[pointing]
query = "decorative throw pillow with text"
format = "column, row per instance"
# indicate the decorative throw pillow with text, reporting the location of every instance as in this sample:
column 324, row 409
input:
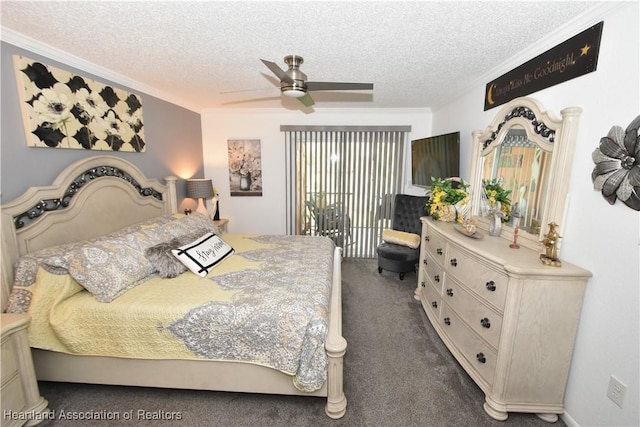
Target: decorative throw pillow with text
column 202, row 255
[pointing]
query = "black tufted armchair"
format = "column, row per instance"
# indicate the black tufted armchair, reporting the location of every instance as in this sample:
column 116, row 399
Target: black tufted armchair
column 407, row 211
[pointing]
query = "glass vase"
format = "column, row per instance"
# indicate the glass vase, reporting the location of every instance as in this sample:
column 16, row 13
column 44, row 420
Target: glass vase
column 495, row 220
column 245, row 182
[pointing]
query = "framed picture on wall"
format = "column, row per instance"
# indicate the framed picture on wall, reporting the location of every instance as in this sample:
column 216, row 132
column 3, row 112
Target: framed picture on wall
column 245, row 167
column 64, row 110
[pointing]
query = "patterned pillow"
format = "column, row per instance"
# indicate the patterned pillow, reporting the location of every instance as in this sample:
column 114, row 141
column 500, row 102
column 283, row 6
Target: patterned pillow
column 110, row 267
column 401, row 238
column 202, row 255
column 162, row 259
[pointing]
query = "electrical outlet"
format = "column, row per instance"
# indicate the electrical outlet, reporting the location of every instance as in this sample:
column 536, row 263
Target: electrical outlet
column 616, row 391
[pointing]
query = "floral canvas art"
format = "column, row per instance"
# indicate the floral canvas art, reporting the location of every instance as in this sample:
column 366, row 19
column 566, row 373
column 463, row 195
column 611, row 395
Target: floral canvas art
column 64, row 110
column 245, row 167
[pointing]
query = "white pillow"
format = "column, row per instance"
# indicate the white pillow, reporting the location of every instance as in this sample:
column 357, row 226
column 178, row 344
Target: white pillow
column 203, row 254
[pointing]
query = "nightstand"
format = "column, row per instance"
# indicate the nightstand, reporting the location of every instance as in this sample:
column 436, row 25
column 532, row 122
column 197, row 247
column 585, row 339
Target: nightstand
column 20, row 398
column 221, row 224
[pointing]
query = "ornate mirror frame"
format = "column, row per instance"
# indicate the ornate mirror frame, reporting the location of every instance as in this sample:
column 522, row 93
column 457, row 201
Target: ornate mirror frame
column 550, row 133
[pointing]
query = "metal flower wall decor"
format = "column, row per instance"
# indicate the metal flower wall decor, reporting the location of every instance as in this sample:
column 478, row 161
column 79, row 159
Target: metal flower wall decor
column 617, row 170
column 63, row 110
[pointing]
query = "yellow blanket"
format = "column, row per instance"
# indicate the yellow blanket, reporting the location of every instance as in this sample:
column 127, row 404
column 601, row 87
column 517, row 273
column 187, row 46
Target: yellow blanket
column 266, row 304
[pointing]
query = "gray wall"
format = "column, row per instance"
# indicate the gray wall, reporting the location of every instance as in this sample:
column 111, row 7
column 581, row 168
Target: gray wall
column 173, row 136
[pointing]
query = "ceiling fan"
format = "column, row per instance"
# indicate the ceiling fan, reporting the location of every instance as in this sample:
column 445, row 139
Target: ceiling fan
column 294, row 84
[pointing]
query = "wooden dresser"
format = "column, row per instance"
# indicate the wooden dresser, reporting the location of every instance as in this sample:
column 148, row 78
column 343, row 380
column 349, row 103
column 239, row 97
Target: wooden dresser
column 509, row 320
column 20, row 397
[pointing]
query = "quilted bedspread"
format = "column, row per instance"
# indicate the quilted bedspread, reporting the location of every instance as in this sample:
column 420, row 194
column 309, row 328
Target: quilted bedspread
column 267, row 304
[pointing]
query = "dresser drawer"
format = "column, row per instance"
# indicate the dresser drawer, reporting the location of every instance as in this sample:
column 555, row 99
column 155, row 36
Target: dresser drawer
column 435, row 245
column 479, row 355
column 483, row 320
column 431, row 301
column 432, row 272
column 9, row 365
column 485, row 282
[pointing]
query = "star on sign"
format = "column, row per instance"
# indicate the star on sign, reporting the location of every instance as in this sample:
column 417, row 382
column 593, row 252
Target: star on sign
column 585, row 49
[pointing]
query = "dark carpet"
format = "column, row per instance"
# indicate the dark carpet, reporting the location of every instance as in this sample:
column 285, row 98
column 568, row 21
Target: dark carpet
column 397, row 373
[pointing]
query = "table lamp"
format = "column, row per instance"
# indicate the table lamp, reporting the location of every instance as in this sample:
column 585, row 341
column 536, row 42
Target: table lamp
column 200, row 189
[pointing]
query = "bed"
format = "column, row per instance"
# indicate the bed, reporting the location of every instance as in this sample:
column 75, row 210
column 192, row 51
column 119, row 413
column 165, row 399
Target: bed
column 104, row 195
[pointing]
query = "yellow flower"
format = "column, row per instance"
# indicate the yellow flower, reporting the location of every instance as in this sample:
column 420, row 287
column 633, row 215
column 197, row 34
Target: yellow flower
column 441, row 204
column 495, row 192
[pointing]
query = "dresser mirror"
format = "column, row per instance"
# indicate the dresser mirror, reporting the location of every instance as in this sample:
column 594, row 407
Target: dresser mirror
column 529, row 152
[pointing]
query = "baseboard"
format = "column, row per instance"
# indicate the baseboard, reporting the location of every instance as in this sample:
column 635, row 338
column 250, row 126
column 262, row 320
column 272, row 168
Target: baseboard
column 569, row 421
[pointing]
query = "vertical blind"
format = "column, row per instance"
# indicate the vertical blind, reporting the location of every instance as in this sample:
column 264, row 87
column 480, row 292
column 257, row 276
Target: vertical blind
column 341, row 181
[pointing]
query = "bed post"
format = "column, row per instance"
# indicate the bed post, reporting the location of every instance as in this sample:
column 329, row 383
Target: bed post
column 336, row 345
column 172, row 194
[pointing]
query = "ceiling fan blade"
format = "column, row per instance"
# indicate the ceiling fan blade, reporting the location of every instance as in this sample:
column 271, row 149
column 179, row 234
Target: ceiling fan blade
column 338, row 86
column 279, row 72
column 307, row 100
column 227, row 92
column 246, row 101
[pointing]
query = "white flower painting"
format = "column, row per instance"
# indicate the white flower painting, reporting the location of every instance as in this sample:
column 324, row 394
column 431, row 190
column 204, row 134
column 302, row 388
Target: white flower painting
column 63, row 110
column 245, row 167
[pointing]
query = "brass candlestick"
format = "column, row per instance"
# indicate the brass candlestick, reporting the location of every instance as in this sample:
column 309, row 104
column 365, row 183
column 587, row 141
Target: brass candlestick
column 515, row 244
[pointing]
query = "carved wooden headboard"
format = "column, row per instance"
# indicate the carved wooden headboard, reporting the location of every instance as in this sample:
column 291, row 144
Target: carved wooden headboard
column 91, row 197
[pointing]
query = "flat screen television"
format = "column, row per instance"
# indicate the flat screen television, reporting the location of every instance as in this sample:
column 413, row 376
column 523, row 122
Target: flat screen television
column 436, row 156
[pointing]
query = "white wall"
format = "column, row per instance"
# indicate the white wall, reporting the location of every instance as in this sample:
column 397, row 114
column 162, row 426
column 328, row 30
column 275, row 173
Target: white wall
column 266, row 214
column 597, row 236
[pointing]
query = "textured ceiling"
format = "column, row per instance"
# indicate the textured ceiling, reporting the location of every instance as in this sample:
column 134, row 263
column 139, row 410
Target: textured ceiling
column 417, row 54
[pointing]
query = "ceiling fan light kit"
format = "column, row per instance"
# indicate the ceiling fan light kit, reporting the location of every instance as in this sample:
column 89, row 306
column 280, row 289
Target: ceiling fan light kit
column 293, row 92
column 293, row 82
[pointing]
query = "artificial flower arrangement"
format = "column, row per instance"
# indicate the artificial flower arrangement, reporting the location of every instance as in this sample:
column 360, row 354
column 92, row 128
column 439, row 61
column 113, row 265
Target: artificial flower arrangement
column 446, row 201
column 244, row 160
column 496, row 193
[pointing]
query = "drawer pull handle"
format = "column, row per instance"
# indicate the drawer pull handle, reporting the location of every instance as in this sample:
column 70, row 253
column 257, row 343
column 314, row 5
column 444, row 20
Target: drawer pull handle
column 491, row 285
column 481, row 358
column 447, row 321
column 422, row 284
column 454, row 262
column 439, row 251
column 485, row 323
column 450, row 292
column 426, row 238
column 434, row 304
column 436, row 278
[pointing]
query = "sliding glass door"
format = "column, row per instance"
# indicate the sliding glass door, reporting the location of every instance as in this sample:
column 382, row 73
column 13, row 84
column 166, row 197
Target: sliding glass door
column 341, row 182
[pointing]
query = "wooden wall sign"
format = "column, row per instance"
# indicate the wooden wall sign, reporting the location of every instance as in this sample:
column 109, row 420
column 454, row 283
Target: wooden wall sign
column 566, row 61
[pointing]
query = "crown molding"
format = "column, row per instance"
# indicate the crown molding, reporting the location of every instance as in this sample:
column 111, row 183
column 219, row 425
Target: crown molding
column 318, row 110
column 580, row 23
column 22, row 41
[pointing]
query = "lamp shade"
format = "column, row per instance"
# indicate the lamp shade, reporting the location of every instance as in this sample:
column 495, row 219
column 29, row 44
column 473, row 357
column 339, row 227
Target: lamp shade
column 199, row 189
